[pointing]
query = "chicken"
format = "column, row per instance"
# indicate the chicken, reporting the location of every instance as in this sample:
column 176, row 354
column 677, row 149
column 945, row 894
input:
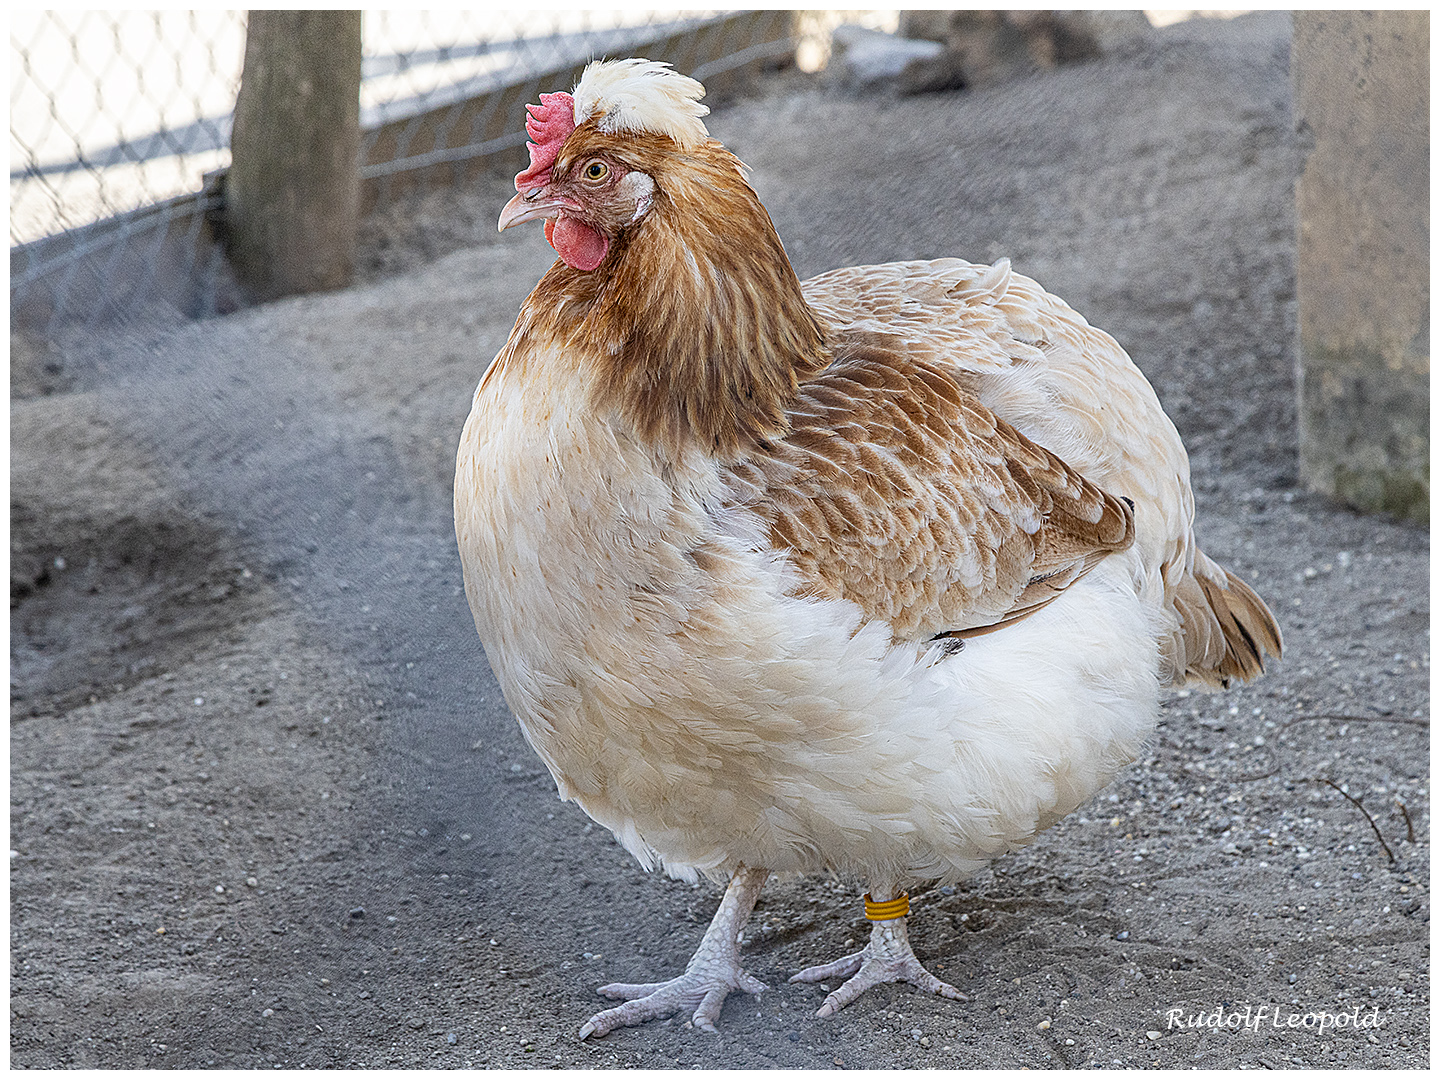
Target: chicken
column 879, row 575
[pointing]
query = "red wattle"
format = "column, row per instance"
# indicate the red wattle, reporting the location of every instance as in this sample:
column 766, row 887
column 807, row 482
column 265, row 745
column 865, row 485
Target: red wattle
column 581, row 246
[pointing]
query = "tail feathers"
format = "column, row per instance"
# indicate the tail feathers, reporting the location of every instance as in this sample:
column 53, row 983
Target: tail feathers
column 1226, row 631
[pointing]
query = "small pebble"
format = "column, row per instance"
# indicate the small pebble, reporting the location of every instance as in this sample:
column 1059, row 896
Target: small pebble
column 1043, row 1025
column 357, row 912
column 268, row 1012
column 451, row 1039
column 219, row 888
column 1152, row 1035
column 1123, row 935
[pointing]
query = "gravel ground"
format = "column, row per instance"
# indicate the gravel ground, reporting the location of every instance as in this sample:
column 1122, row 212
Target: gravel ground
column 268, row 808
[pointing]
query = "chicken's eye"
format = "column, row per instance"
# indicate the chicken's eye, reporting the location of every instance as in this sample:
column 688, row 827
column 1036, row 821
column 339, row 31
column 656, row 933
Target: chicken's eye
column 597, row 170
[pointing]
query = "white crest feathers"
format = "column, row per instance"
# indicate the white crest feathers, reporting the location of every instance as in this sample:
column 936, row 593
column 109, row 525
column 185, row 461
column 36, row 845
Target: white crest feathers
column 642, row 96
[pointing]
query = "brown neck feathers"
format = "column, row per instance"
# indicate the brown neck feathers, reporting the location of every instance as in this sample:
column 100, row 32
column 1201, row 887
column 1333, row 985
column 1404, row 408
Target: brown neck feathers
column 696, row 316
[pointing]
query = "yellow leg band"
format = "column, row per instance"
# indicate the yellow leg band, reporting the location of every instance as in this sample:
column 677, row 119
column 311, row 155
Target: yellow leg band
column 889, row 909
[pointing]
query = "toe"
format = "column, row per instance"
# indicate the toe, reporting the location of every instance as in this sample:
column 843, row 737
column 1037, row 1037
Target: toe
column 709, row 1010
column 627, row 991
column 848, row 991
column 838, row 969
column 749, row 984
column 929, row 983
column 602, row 1023
column 631, row 1013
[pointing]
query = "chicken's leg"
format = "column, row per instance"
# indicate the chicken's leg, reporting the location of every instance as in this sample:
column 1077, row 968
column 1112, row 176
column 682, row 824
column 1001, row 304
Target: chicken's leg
column 713, row 972
column 887, row 958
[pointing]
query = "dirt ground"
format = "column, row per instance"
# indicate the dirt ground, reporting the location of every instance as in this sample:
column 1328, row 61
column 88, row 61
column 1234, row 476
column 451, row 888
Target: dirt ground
column 269, row 809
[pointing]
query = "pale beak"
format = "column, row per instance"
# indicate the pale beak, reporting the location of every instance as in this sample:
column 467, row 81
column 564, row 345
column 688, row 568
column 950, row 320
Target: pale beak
column 541, row 202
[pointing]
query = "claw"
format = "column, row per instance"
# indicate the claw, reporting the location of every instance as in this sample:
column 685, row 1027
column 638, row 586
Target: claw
column 702, row 990
column 875, row 971
column 886, row 958
column 713, row 973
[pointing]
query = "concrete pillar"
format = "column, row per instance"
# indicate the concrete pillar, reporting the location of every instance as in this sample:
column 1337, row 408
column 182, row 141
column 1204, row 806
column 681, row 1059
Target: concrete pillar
column 1362, row 99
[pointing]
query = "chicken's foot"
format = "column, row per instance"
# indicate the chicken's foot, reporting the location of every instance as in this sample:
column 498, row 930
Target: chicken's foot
column 887, row 957
column 710, row 976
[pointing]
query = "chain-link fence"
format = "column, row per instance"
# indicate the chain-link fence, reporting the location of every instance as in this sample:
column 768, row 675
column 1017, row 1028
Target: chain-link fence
column 118, row 117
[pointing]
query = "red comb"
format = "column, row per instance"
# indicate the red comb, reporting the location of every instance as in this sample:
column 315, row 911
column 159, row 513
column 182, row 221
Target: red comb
column 548, row 125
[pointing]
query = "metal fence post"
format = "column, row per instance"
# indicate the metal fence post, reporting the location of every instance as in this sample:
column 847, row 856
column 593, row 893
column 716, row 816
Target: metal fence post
column 292, row 191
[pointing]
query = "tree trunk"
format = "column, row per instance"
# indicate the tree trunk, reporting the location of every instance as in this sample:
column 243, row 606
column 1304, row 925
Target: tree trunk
column 292, row 191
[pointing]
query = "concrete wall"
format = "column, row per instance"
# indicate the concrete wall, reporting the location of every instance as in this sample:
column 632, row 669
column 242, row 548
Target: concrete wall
column 1362, row 97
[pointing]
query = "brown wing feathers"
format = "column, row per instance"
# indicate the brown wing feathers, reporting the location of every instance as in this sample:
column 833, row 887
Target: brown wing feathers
column 896, row 489
column 987, row 319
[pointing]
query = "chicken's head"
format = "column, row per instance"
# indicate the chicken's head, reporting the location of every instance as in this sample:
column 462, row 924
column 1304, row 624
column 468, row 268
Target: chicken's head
column 582, row 181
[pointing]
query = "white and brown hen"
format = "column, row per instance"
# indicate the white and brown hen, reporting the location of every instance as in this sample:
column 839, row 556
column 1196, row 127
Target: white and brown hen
column 879, row 574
